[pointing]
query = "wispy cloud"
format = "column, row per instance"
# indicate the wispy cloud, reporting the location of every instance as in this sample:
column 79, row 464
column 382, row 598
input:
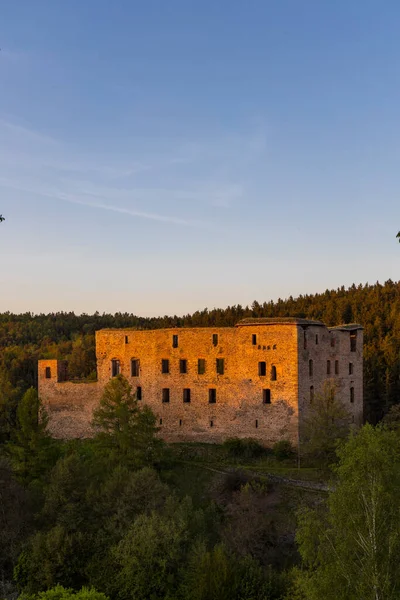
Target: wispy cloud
column 58, row 195
column 191, row 178
column 133, row 213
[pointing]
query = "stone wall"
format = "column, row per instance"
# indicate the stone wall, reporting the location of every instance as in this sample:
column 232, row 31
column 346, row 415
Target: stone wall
column 331, row 355
column 241, row 390
column 69, row 405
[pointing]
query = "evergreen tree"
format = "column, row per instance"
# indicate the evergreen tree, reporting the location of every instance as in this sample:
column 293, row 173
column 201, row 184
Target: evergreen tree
column 31, row 449
column 126, row 432
column 8, row 407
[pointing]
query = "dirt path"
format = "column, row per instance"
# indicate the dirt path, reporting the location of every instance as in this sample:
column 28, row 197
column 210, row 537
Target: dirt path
column 299, row 483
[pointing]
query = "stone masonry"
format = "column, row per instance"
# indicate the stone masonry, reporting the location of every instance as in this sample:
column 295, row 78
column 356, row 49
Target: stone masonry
column 257, row 379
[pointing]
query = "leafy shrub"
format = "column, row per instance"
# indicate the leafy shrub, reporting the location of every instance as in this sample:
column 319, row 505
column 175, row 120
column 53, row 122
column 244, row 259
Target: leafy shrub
column 283, row 449
column 61, row 593
column 243, row 448
column 233, row 447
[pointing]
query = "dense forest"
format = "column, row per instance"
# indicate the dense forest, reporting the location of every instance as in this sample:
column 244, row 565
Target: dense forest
column 26, row 338
column 125, row 516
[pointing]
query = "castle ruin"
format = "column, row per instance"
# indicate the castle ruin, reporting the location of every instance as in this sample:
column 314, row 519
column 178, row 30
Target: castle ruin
column 257, row 379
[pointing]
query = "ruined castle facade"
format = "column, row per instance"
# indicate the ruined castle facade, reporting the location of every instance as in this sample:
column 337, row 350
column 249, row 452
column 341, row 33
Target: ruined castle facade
column 258, row 379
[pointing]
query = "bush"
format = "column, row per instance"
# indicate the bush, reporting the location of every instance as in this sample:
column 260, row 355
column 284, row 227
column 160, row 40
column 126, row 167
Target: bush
column 233, row 447
column 283, row 449
column 60, row 593
column 243, row 448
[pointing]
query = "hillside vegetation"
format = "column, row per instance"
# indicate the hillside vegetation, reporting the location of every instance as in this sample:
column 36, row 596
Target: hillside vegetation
column 26, row 338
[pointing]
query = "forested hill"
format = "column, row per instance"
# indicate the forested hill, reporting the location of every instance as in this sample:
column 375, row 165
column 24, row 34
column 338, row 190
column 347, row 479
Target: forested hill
column 25, row 338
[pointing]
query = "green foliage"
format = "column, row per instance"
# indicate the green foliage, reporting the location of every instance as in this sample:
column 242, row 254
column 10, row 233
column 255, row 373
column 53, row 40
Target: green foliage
column 61, row 593
column 246, row 448
column 82, row 358
column 149, row 556
column 211, row 575
column 392, row 419
column 283, row 450
column 8, row 407
column 327, row 423
column 86, row 510
column 15, row 522
column 351, row 546
column 52, row 557
column 127, row 432
column 31, row 450
column 218, row 575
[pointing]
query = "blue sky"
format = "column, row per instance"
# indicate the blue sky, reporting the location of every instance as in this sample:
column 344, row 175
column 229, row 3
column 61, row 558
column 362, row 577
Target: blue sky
column 160, row 157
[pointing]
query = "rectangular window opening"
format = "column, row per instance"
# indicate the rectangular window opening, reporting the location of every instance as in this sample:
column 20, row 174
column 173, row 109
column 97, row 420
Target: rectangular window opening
column 126, row 340
column 165, row 366
column 183, row 366
column 336, row 367
column 316, row 340
column 215, row 339
column 311, row 394
column 211, row 423
column 310, row 367
column 115, row 367
column 353, row 341
column 254, row 339
column 165, row 395
column 186, row 395
column 212, row 396
column 267, row 396
column 180, row 422
column 351, row 368
column 328, row 367
column 160, row 421
column 262, row 369
column 135, row 367
column 273, row 373
column 352, row 395
column 220, row 364
column 201, row 366
column 256, row 423
column 138, row 393
column 47, row 373
column 174, row 341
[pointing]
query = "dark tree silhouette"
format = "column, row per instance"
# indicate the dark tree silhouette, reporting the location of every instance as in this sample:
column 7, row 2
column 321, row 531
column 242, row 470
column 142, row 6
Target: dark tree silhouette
column 2, row 218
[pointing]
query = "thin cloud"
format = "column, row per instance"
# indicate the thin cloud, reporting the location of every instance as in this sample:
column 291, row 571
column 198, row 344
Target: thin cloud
column 27, row 135
column 100, row 205
column 133, row 213
column 197, row 177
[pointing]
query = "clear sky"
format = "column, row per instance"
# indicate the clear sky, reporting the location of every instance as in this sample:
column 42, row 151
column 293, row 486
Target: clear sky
column 159, row 157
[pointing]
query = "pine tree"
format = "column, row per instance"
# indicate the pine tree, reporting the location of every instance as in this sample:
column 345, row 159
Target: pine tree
column 31, row 449
column 126, row 432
